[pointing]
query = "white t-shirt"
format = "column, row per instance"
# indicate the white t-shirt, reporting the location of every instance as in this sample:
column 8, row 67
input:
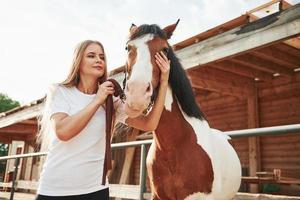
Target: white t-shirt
column 75, row 166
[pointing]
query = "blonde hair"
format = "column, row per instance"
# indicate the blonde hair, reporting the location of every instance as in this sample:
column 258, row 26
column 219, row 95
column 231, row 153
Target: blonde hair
column 45, row 128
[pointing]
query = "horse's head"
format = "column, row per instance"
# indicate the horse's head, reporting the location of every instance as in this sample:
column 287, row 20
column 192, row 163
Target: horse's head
column 143, row 72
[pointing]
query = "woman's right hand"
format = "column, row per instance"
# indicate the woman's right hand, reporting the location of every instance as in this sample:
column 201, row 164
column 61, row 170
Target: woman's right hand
column 104, row 90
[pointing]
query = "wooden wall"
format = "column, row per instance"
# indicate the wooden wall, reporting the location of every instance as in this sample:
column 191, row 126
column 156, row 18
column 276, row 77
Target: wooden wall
column 279, row 104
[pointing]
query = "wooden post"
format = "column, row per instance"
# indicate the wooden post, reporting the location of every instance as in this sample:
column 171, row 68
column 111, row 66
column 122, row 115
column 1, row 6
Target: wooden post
column 28, row 164
column 129, row 155
column 254, row 144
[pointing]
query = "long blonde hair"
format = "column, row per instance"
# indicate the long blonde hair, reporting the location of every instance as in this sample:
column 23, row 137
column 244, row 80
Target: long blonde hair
column 72, row 79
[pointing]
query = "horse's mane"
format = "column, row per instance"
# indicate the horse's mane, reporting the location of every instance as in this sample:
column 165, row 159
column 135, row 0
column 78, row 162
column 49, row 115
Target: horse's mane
column 148, row 29
column 178, row 79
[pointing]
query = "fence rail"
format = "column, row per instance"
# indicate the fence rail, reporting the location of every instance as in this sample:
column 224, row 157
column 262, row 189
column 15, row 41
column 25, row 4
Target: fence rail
column 139, row 191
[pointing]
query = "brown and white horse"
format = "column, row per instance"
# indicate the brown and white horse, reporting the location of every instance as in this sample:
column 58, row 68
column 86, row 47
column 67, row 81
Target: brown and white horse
column 187, row 160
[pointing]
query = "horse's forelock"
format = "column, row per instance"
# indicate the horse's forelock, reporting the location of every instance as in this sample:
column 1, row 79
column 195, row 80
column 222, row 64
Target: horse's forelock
column 148, row 29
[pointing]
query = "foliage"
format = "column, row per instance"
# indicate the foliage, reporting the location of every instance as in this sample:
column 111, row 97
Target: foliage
column 7, row 103
column 3, row 149
column 271, row 188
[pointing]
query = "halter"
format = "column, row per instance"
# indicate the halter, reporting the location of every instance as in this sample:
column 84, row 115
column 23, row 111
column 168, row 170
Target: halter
column 153, row 97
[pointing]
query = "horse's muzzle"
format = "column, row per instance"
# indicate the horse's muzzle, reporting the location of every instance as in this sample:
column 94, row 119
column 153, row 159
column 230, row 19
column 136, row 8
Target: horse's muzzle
column 138, row 96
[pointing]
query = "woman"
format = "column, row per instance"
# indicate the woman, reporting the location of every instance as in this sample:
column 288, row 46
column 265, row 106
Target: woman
column 76, row 114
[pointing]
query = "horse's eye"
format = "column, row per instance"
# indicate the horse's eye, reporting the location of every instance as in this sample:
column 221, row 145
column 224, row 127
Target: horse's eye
column 166, row 50
column 128, row 48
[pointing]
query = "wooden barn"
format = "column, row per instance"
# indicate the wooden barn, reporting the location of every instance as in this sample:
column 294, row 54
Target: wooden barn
column 245, row 74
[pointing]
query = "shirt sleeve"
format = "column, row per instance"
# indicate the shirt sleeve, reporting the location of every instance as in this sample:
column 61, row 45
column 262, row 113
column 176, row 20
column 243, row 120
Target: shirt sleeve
column 120, row 111
column 59, row 103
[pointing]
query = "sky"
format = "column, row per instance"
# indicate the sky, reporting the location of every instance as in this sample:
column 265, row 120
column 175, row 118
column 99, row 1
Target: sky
column 38, row 37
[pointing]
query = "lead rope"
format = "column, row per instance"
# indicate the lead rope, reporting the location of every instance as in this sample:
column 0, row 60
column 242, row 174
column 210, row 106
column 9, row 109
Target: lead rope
column 108, row 117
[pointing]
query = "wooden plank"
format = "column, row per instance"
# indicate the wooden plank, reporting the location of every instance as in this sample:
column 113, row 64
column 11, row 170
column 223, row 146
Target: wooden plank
column 30, row 185
column 285, row 160
column 17, row 196
column 19, row 128
column 222, row 88
column 287, row 138
column 278, row 27
column 7, row 139
column 222, row 82
column 120, row 191
column 124, row 191
column 264, row 6
column 280, row 64
column 240, row 69
column 278, row 56
column 282, row 147
column 269, row 180
column 281, row 166
column 281, row 80
column 210, row 73
column 294, row 42
column 25, row 114
column 292, row 101
column 226, row 109
column 280, row 93
column 30, row 121
column 278, row 122
column 212, row 32
column 232, row 124
column 229, row 115
column 255, row 62
column 220, row 103
column 288, row 49
column 211, row 95
column 284, row 114
column 129, row 155
column 285, row 4
column 5, row 184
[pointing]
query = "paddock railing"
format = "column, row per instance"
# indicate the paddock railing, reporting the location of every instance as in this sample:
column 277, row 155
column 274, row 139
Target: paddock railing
column 137, row 191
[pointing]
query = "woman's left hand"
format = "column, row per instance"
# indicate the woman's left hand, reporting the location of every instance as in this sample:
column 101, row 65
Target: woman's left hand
column 164, row 66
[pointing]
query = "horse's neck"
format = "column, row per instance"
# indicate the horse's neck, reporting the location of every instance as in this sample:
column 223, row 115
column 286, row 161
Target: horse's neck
column 172, row 129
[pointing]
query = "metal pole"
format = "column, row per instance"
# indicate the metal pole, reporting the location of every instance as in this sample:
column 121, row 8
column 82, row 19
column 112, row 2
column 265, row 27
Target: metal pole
column 13, row 187
column 275, row 130
column 143, row 171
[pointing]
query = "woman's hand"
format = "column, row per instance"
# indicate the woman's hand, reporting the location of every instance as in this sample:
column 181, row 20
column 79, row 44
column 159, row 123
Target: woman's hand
column 164, row 66
column 104, row 90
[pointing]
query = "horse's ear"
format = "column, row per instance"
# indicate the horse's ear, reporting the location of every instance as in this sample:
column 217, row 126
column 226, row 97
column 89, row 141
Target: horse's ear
column 133, row 28
column 170, row 29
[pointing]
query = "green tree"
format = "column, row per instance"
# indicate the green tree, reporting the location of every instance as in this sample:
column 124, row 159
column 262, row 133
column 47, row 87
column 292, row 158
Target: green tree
column 3, row 149
column 3, row 152
column 7, row 103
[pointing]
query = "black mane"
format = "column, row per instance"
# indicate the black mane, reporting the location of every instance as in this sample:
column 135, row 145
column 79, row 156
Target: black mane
column 146, row 29
column 178, row 79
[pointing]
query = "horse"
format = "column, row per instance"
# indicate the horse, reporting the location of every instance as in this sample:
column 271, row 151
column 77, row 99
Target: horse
column 187, row 160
